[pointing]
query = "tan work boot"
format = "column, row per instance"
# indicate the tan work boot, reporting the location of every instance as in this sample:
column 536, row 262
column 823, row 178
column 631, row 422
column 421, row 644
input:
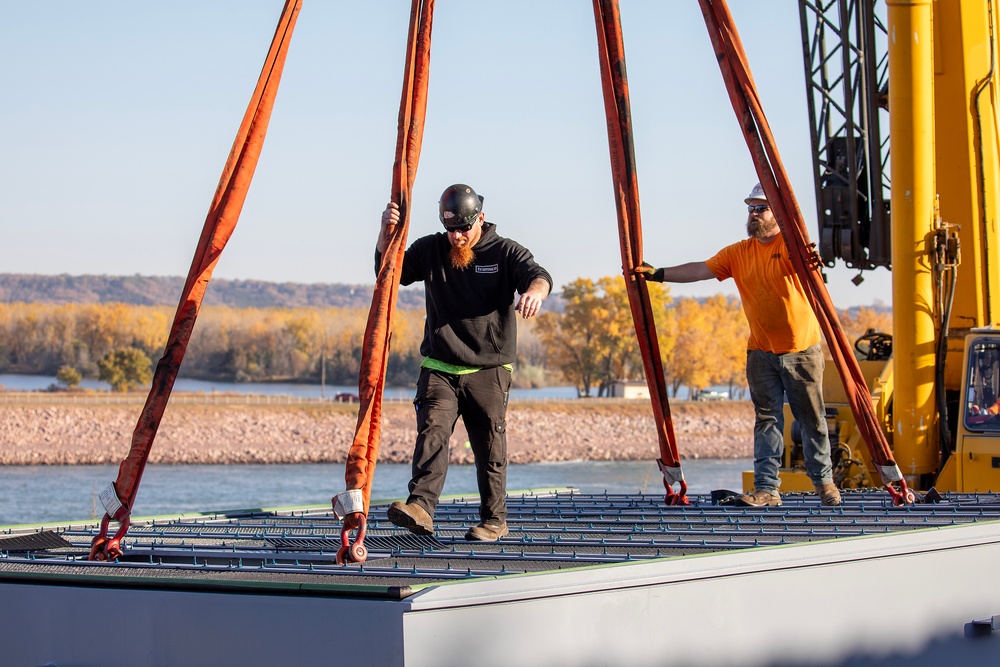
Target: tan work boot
column 828, row 493
column 412, row 517
column 487, row 531
column 761, row 498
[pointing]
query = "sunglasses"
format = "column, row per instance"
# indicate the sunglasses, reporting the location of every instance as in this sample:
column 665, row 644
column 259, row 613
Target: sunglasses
column 462, row 229
column 757, row 209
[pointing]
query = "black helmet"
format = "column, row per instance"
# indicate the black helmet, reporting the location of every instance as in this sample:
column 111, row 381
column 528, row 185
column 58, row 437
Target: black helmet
column 459, row 206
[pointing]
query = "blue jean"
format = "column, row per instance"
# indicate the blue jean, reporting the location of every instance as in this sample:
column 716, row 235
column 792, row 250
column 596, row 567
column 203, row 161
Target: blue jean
column 799, row 376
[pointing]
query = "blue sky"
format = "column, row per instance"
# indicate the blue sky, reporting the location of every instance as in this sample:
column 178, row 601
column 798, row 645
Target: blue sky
column 116, row 119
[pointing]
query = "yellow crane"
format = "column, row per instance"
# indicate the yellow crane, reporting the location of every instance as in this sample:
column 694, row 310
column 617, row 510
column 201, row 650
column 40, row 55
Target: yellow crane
column 928, row 213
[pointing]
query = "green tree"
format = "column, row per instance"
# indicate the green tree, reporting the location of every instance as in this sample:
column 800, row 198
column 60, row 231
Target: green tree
column 69, row 376
column 125, row 368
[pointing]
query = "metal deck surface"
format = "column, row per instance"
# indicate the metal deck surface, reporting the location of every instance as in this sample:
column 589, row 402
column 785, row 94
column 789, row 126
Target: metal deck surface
column 293, row 551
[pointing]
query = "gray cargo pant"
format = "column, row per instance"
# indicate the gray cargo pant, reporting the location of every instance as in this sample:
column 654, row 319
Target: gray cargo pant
column 481, row 400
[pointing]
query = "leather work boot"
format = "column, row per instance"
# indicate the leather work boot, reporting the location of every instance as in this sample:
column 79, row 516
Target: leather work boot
column 828, row 493
column 487, row 531
column 411, row 516
column 762, row 498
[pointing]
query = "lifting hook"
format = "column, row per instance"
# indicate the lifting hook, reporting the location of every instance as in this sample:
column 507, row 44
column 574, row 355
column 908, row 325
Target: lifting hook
column 357, row 552
column 109, row 550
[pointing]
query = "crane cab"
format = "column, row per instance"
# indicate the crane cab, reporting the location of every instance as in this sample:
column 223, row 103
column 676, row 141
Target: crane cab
column 974, row 465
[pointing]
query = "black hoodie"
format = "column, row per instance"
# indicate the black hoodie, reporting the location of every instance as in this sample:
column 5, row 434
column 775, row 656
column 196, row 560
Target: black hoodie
column 470, row 312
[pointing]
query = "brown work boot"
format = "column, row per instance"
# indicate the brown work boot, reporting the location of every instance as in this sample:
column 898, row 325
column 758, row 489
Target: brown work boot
column 828, row 493
column 487, row 531
column 761, row 498
column 411, row 516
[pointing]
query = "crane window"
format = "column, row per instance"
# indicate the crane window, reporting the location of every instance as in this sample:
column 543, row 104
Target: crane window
column 982, row 405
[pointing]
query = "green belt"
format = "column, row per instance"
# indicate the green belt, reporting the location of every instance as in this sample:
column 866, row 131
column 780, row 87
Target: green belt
column 452, row 369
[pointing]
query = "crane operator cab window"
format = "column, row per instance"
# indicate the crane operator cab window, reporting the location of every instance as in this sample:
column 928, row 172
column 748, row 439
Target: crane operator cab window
column 982, row 405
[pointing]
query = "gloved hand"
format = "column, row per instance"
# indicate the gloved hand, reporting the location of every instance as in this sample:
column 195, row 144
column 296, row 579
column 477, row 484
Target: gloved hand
column 652, row 273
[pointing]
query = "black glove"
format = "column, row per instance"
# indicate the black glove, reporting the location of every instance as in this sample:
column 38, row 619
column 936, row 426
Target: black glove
column 652, row 274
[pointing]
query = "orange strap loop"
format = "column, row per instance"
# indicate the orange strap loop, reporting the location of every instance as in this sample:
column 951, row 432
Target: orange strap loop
column 375, row 352
column 219, row 225
column 614, row 83
column 764, row 151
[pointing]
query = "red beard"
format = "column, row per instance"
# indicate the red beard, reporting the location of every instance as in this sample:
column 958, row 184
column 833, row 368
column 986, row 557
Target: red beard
column 461, row 256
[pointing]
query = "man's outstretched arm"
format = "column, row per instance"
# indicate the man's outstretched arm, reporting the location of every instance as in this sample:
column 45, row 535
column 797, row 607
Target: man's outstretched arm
column 691, row 272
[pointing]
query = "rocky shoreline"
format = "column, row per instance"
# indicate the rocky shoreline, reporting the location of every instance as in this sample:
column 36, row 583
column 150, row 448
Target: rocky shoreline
column 599, row 430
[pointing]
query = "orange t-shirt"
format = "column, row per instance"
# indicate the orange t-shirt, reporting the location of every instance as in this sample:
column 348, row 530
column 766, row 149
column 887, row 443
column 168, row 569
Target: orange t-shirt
column 774, row 301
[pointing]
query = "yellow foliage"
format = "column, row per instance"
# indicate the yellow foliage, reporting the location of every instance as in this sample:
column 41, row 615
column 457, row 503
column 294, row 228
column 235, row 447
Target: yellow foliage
column 593, row 342
column 711, row 341
column 858, row 323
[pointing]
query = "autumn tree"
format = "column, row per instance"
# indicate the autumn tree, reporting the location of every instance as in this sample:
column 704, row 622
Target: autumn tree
column 593, row 342
column 856, row 322
column 240, row 344
column 710, row 346
column 573, row 338
column 69, row 376
column 726, row 350
column 530, row 370
column 125, row 369
column 623, row 359
column 690, row 364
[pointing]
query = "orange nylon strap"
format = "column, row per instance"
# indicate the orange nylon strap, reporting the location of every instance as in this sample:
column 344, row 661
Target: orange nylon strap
column 763, row 149
column 616, row 105
column 364, row 451
column 219, row 225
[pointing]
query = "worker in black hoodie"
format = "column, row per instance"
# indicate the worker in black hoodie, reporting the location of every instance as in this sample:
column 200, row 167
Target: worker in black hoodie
column 471, row 276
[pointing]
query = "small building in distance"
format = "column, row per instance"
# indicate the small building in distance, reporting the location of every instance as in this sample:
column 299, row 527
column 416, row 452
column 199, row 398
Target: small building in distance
column 629, row 389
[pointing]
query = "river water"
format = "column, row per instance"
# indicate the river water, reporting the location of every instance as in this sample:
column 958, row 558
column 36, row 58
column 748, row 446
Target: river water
column 40, row 382
column 12, row 382
column 42, row 494
column 39, row 494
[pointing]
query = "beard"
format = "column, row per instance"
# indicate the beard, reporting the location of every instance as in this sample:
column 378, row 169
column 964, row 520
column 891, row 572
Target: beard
column 759, row 228
column 461, row 256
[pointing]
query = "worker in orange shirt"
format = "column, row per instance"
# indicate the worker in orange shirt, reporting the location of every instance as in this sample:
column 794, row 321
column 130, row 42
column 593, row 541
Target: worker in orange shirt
column 783, row 353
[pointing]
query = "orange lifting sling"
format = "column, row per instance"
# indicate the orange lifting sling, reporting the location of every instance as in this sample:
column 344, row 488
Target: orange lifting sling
column 616, row 104
column 774, row 179
column 363, row 454
column 223, row 215
column 353, row 503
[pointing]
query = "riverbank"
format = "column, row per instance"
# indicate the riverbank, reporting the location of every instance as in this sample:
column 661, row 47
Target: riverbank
column 576, row 430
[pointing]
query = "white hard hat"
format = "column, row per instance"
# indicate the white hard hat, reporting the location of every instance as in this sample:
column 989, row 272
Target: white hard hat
column 756, row 195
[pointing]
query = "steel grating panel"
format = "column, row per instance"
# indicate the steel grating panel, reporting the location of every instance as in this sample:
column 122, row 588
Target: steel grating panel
column 283, row 551
column 36, row 541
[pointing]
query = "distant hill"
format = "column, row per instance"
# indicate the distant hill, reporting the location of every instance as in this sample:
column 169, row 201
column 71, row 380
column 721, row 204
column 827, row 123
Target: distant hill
column 166, row 290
